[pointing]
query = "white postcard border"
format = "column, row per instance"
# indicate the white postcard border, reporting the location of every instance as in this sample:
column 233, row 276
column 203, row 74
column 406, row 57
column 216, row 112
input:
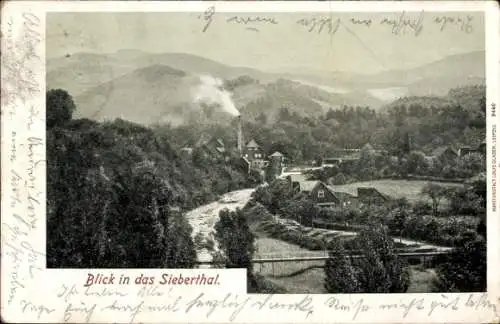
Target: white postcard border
column 39, row 293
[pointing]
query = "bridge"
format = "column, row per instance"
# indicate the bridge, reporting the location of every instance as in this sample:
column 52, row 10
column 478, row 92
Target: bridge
column 316, row 259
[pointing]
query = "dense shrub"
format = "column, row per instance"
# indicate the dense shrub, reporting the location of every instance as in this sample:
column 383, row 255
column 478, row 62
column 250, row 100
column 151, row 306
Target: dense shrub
column 437, row 230
column 379, row 271
column 341, row 276
column 291, row 232
column 236, row 242
column 235, row 239
column 465, row 269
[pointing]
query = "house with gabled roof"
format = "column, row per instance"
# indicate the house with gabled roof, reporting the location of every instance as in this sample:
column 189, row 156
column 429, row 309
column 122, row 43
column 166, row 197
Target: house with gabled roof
column 253, row 156
column 320, row 193
column 252, row 153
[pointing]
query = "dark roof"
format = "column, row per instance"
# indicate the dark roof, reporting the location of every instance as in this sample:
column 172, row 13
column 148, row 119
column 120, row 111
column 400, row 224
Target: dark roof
column 340, row 195
column 440, row 150
column 372, row 189
column 253, row 144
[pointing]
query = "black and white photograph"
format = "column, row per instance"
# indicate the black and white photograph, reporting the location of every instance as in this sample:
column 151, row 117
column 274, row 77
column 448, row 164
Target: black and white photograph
column 323, row 152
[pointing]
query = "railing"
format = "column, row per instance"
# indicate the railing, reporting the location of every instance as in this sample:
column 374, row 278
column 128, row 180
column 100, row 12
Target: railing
column 352, row 256
column 324, row 255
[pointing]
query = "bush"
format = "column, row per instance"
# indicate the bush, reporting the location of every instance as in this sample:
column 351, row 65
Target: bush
column 465, row 269
column 464, row 201
column 380, row 271
column 341, row 277
column 235, row 239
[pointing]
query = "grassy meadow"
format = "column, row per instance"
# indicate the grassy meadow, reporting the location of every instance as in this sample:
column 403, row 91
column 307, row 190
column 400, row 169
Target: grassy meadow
column 409, row 189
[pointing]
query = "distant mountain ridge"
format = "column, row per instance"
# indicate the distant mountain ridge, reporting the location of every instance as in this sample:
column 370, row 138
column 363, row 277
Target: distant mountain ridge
column 148, row 87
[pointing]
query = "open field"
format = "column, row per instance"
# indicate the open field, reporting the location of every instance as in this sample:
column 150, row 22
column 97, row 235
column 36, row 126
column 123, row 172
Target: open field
column 410, row 189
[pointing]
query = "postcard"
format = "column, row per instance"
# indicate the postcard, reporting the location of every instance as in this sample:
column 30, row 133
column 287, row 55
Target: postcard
column 250, row 161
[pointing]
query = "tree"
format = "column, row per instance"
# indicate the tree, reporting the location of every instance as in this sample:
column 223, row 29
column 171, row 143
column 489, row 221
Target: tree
column 465, row 201
column 398, row 222
column 339, row 179
column 416, row 163
column 379, row 271
column 235, row 239
column 465, row 269
column 60, row 107
column 436, row 193
column 341, row 276
column 471, row 164
column 181, row 251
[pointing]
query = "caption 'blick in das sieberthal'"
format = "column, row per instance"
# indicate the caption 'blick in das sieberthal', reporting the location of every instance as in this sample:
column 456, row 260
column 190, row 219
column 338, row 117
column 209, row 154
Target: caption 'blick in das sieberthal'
column 165, row 279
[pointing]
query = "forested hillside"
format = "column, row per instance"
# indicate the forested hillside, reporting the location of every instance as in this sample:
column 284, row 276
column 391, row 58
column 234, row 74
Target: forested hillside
column 426, row 122
column 116, row 192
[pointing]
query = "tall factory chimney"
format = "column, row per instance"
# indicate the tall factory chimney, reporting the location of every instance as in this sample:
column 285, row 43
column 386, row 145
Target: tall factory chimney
column 240, row 136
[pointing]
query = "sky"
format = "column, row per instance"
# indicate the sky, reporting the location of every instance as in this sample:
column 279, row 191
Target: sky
column 282, row 44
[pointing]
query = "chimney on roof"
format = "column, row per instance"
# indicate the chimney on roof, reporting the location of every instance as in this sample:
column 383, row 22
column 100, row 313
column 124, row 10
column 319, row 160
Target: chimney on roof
column 240, row 136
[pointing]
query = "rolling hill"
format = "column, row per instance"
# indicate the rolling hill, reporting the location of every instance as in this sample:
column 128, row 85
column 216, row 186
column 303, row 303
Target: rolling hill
column 159, row 93
column 81, row 71
column 145, row 87
column 145, row 95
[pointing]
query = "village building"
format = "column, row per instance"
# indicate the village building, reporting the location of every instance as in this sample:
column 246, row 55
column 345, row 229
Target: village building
column 277, row 160
column 466, row 150
column 253, row 156
column 445, row 154
column 371, row 196
column 350, row 156
column 321, row 194
column 342, row 156
column 276, row 165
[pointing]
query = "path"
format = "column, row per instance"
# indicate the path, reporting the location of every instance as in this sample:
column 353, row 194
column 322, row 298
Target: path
column 204, row 218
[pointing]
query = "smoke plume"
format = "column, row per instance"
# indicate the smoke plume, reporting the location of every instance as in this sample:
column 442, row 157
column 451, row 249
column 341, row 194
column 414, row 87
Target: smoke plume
column 211, row 91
